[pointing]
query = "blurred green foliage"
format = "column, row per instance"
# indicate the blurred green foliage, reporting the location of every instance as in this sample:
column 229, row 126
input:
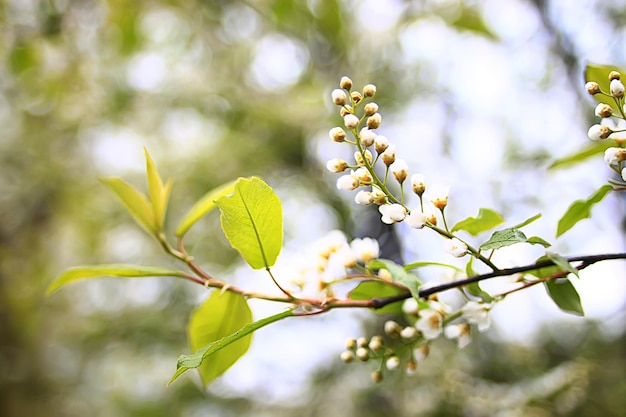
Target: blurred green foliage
column 84, row 84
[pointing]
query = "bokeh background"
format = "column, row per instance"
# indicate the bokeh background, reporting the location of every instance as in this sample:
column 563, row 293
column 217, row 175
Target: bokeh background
column 482, row 95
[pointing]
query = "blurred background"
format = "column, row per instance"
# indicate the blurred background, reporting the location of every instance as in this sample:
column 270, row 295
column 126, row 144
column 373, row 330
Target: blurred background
column 482, row 95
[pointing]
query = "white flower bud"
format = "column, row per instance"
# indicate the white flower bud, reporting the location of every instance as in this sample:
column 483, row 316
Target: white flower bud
column 345, row 83
column 337, row 134
column 369, row 90
column 380, row 144
column 364, row 198
column 392, row 328
column 603, row 110
column 597, row 132
column 351, row 344
column 592, row 88
column 356, row 96
column 350, row 121
column 367, row 137
column 421, row 352
column 339, row 96
column 345, row 110
column 408, row 333
column 624, row 174
column 385, row 275
column 376, row 343
column 614, row 75
column 410, row 307
column 347, row 183
column 363, row 175
column 363, row 354
column 617, row 88
column 336, row 165
column 439, row 195
column 392, row 213
column 362, row 342
column 614, row 156
column 365, row 249
column 418, row 183
column 455, row 247
column 374, row 121
column 376, row 376
column 347, row 356
column 389, row 155
column 411, row 367
column 392, row 363
column 359, row 158
column 370, row 109
column 379, row 196
column 400, row 170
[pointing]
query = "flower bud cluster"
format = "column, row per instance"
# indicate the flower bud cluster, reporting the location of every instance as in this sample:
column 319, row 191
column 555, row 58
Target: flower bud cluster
column 613, row 156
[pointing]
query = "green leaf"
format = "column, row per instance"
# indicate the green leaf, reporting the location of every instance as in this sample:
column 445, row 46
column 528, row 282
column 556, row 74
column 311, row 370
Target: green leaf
column 564, row 294
column 111, row 270
column 159, row 193
column 135, row 202
column 485, row 220
column 398, row 273
column 197, row 358
column 470, row 19
column 502, row 238
column 252, row 221
column 536, row 240
column 419, row 264
column 527, row 221
column 590, row 150
column 221, row 315
column 600, row 74
column 203, row 207
column 367, row 290
column 580, row 210
column 562, row 263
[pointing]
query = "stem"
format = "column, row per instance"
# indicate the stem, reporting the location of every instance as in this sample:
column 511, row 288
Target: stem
column 475, row 252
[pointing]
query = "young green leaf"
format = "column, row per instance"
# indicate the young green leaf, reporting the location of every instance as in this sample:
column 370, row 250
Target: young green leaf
column 527, row 221
column 564, row 294
column 398, row 273
column 536, row 240
column 111, row 270
column 502, row 238
column 367, row 290
column 203, row 207
column 562, row 263
column 135, row 202
column 590, row 150
column 252, row 221
column 485, row 220
column 221, row 315
column 159, row 193
column 474, row 288
column 197, row 358
column 580, row 210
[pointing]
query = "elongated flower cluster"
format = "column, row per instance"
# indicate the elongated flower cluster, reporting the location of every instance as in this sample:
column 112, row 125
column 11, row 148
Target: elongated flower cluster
column 373, row 148
column 608, row 129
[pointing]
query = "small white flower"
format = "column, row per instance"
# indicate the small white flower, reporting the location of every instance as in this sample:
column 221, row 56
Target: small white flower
column 421, row 352
column 438, row 194
column 374, row 121
column 370, row 108
column 418, row 183
column 367, row 137
column 392, row 328
column 429, row 324
column 400, row 169
column 365, row 249
column 624, row 174
column 364, row 198
column 392, row 363
column 369, row 90
column 339, row 96
column 345, row 82
column 347, row 182
column 477, row 313
column 336, row 165
column 358, row 157
column 392, row 213
column 379, row 196
column 350, row 121
column 592, row 88
column 617, row 88
column 460, row 332
column 416, row 219
column 455, row 247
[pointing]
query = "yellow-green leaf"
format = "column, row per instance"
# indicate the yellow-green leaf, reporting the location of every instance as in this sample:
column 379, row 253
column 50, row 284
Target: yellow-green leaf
column 203, row 207
column 135, row 202
column 111, row 270
column 367, row 290
column 252, row 220
column 485, row 220
column 580, row 210
column 565, row 296
column 600, row 75
column 159, row 193
column 220, row 316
